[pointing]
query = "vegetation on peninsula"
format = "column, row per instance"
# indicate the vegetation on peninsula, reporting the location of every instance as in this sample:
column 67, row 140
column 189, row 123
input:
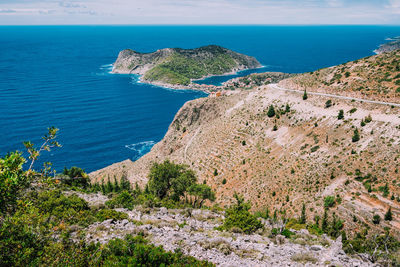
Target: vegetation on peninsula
column 180, row 66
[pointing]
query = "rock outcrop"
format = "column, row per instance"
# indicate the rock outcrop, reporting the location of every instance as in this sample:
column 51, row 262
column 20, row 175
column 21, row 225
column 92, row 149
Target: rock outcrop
column 389, row 47
column 195, row 235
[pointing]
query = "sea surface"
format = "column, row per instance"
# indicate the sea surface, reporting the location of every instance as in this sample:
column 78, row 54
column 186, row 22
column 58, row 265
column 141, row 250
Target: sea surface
column 59, row 75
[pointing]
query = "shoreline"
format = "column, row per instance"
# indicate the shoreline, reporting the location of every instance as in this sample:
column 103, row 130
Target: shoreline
column 192, row 86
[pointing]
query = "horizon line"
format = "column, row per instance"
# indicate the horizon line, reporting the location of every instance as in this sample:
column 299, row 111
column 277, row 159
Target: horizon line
column 378, row 25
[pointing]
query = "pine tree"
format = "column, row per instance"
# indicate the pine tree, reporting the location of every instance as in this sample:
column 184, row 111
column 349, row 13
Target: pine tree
column 388, row 215
column 271, row 111
column 356, row 136
column 316, row 219
column 303, row 215
column 109, row 186
column 341, row 115
column 137, row 189
column 324, row 225
column 124, row 184
column 287, row 108
column 103, row 188
column 344, row 236
column 116, row 185
column 305, row 96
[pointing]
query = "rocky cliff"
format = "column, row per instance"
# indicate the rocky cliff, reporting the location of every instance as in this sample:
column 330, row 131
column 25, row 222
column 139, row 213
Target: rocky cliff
column 181, row 66
column 389, row 47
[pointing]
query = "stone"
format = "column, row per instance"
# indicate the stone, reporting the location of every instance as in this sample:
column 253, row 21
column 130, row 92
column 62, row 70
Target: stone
column 316, row 248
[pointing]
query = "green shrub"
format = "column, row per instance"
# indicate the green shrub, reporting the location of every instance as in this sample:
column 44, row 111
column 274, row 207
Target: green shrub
column 135, row 251
column 271, row 111
column 75, row 177
column 329, row 201
column 60, row 208
column 351, row 111
column 305, row 96
column 340, row 115
column 169, row 179
column 356, row 136
column 376, row 219
column 125, row 199
column 105, row 214
column 328, row 103
column 388, row 214
column 238, row 215
column 12, row 180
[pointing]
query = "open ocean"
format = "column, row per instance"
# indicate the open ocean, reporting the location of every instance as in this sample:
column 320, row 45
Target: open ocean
column 59, row 75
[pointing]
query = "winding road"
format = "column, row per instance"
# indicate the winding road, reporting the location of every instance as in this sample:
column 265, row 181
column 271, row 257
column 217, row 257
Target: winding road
column 275, row 86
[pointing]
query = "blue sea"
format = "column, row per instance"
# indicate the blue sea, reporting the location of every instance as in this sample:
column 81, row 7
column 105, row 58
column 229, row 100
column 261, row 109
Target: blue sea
column 59, row 75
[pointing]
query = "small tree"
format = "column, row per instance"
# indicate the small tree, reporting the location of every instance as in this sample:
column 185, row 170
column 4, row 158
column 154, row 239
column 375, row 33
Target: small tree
column 303, row 215
column 324, row 225
column 169, row 179
column 109, row 186
column 340, row 115
column 12, row 180
column 238, row 215
column 180, row 184
column 287, row 108
column 356, row 136
column 376, row 219
column 124, row 183
column 49, row 142
column 388, row 214
column 201, row 192
column 328, row 103
column 117, row 188
column 305, row 96
column 103, row 187
column 271, row 111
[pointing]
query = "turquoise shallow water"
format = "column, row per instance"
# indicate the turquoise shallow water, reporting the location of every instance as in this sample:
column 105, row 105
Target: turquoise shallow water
column 59, row 75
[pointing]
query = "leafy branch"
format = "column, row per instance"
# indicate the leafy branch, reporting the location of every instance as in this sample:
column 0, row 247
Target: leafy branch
column 49, row 142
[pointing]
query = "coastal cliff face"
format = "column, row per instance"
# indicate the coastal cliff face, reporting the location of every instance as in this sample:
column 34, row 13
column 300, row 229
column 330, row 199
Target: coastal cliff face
column 180, row 66
column 389, row 47
column 302, row 154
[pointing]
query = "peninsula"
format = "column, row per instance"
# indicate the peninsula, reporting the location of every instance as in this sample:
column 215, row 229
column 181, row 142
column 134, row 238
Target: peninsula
column 177, row 68
column 393, row 45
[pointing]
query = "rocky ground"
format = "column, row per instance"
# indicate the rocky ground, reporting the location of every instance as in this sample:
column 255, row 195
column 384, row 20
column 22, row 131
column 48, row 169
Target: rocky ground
column 193, row 231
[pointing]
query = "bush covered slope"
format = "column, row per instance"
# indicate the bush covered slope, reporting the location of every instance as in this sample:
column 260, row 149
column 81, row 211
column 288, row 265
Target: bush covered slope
column 180, row 66
column 375, row 78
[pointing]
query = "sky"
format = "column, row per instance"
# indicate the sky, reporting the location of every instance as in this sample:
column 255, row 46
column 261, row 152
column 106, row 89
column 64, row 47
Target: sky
column 160, row 12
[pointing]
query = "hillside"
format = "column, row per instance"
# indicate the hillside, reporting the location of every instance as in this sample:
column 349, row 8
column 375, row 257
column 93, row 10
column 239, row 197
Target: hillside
column 178, row 66
column 231, row 144
column 375, row 78
column 279, row 149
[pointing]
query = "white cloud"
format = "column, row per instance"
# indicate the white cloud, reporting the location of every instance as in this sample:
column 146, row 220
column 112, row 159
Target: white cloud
column 204, row 11
column 19, row 11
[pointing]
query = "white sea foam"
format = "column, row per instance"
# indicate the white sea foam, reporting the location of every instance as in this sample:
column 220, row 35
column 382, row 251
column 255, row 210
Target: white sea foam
column 106, row 69
column 140, row 148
